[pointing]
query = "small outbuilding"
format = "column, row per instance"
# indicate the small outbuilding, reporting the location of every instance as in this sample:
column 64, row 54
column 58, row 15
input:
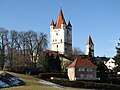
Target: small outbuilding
column 82, row 69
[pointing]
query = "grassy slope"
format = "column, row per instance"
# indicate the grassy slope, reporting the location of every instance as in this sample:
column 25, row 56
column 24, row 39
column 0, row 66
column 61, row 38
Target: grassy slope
column 32, row 84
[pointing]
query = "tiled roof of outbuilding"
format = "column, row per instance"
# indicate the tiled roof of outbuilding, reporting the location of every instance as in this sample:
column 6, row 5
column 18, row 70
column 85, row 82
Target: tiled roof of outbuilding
column 82, row 62
column 50, row 52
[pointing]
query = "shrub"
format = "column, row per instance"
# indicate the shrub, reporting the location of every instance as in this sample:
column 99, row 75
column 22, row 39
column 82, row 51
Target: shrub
column 83, row 84
column 49, row 75
column 26, row 70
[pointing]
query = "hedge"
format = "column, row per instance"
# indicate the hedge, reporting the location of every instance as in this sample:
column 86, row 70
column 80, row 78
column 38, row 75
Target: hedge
column 26, row 70
column 83, row 84
column 55, row 75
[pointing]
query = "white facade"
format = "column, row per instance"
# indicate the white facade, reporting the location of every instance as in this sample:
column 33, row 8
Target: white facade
column 60, row 39
column 110, row 64
column 90, row 49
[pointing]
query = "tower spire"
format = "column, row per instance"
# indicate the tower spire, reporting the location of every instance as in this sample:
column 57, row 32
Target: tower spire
column 52, row 23
column 60, row 20
column 89, row 41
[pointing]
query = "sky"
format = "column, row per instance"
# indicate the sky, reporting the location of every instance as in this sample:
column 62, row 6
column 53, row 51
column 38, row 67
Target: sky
column 98, row 18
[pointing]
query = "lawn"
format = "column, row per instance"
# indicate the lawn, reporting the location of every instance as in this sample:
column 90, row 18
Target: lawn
column 32, row 84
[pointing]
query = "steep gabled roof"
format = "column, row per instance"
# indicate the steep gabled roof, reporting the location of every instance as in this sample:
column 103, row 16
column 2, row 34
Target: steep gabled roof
column 89, row 40
column 52, row 23
column 82, row 62
column 60, row 20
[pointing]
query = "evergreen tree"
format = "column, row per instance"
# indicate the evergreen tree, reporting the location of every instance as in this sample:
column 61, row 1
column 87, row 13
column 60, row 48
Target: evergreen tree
column 102, row 71
column 46, row 66
column 51, row 62
column 58, row 63
column 117, row 57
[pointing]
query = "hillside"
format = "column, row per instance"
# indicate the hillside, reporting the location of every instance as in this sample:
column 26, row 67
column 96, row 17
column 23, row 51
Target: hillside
column 32, row 84
column 8, row 80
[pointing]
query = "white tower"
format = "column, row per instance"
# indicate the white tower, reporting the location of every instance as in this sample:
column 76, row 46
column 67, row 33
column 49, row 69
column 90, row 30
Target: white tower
column 90, row 47
column 61, row 35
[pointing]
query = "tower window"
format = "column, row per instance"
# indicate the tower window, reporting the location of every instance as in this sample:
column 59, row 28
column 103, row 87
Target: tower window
column 57, row 46
column 67, row 32
column 53, row 40
column 61, row 40
column 56, row 33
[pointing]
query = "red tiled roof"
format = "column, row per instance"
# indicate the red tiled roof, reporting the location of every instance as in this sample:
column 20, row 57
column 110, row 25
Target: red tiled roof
column 50, row 52
column 60, row 20
column 82, row 62
column 89, row 41
column 52, row 23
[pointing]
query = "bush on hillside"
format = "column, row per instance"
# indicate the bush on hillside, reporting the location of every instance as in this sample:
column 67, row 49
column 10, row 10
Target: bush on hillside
column 83, row 84
column 55, row 75
column 27, row 70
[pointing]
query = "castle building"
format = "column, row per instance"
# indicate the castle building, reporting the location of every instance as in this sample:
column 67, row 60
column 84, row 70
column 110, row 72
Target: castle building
column 61, row 35
column 90, row 47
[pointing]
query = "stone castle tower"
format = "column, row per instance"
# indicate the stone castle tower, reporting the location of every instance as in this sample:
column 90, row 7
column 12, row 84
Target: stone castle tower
column 90, row 47
column 61, row 35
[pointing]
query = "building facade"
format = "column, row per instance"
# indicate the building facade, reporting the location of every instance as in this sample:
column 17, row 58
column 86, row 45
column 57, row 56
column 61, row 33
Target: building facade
column 61, row 35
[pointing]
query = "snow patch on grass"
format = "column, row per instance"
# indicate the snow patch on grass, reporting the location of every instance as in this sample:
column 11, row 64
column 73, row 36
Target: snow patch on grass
column 8, row 80
column 50, row 83
column 3, row 84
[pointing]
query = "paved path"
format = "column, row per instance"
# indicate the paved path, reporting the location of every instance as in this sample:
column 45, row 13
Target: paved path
column 59, row 86
column 50, row 83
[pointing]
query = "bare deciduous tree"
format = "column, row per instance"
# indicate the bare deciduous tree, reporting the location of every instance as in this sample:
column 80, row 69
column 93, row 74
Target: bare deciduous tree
column 77, row 52
column 21, row 48
column 3, row 43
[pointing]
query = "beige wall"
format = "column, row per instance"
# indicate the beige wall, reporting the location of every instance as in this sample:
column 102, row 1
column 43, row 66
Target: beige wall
column 71, row 74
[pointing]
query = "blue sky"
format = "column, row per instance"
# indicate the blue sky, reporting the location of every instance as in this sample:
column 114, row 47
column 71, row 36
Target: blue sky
column 99, row 18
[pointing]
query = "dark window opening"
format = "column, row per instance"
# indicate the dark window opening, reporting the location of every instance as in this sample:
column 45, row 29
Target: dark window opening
column 61, row 40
